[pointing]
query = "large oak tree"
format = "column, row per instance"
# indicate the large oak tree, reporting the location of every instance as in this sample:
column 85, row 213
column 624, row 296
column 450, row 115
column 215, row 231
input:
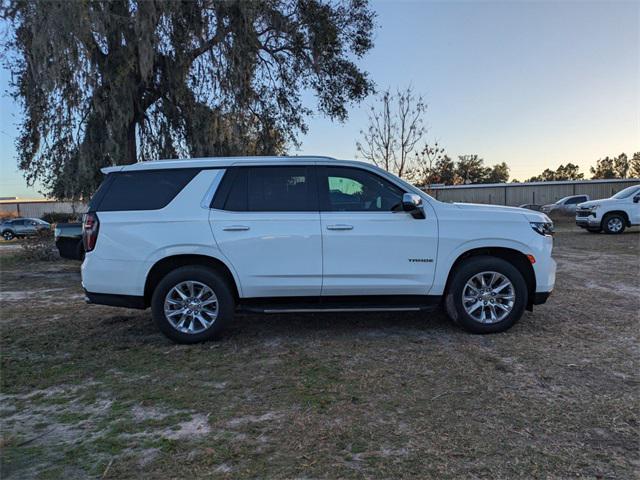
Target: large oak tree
column 113, row 82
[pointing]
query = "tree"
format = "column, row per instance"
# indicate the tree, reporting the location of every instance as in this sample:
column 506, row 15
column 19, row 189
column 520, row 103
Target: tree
column 569, row 171
column 604, row 169
column 499, row 173
column 546, row 176
column 446, row 171
column 395, row 128
column 621, row 166
column 111, row 82
column 423, row 170
column 471, row 169
column 634, row 167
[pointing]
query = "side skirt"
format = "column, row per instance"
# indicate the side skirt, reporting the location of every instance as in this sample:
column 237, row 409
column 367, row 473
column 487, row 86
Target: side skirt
column 377, row 303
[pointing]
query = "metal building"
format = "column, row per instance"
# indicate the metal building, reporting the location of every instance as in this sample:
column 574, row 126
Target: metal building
column 540, row 193
column 35, row 208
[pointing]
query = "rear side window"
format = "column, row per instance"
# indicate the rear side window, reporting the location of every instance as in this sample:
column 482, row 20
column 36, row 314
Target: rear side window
column 575, row 200
column 268, row 189
column 141, row 190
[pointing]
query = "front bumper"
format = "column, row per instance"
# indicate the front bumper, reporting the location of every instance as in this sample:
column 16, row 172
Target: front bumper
column 540, row 297
column 587, row 222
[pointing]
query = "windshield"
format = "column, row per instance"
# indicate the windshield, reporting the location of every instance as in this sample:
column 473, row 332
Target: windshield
column 562, row 200
column 627, row 192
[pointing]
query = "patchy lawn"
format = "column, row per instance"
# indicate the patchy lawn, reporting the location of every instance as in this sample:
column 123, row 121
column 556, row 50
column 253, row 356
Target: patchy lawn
column 91, row 391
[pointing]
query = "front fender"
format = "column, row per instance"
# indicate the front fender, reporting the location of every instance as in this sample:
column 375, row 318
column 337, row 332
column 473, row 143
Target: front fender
column 447, row 258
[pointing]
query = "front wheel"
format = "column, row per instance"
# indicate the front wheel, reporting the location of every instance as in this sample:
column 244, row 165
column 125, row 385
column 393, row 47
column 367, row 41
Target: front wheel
column 486, row 295
column 192, row 304
column 613, row 223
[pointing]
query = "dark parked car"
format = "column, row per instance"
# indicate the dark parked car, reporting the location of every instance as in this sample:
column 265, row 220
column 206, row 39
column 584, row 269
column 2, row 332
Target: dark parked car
column 531, row 206
column 566, row 205
column 69, row 240
column 22, row 227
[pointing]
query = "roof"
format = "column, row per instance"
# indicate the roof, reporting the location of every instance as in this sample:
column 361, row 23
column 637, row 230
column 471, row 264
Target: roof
column 28, row 200
column 220, row 162
column 534, row 184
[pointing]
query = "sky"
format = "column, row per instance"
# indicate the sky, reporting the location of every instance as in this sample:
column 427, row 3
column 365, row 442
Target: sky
column 534, row 84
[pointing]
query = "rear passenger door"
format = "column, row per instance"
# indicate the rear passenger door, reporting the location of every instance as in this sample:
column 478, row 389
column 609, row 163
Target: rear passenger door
column 265, row 220
column 20, row 227
column 571, row 204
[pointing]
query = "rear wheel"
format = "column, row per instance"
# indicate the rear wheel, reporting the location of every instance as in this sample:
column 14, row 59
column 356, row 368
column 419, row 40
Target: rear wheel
column 8, row 235
column 486, row 295
column 614, row 223
column 80, row 252
column 192, row 304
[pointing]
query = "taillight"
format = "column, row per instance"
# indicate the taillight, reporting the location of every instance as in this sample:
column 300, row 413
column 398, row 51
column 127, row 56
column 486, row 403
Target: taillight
column 90, row 225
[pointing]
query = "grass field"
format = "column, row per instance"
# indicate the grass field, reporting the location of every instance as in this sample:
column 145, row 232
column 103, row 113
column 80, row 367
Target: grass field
column 91, row 391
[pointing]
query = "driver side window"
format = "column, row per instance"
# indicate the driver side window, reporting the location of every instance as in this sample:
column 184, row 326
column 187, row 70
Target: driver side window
column 354, row 190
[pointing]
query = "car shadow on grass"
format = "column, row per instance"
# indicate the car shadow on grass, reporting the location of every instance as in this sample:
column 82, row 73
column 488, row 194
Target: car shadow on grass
column 139, row 327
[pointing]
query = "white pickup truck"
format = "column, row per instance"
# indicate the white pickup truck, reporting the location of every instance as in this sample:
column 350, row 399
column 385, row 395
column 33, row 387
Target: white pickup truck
column 613, row 214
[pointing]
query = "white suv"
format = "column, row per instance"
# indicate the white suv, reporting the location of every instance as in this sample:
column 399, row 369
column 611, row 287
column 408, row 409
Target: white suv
column 197, row 239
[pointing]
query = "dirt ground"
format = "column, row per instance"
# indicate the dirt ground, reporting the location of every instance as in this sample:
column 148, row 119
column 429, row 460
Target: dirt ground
column 91, row 391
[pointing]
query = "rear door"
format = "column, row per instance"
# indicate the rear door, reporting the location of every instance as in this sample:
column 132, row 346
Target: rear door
column 265, row 220
column 20, row 227
column 570, row 205
column 370, row 246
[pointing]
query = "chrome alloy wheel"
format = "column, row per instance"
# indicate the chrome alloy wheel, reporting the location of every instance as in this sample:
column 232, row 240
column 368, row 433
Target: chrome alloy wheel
column 191, row 307
column 614, row 224
column 488, row 297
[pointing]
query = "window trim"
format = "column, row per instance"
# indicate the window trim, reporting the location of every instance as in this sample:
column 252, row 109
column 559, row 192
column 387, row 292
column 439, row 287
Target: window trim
column 323, row 194
column 231, row 174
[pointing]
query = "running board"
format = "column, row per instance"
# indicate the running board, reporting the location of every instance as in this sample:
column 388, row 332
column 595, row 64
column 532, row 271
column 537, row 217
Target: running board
column 379, row 303
column 335, row 310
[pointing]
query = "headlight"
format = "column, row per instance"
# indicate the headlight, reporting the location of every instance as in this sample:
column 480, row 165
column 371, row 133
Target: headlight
column 543, row 228
column 593, row 207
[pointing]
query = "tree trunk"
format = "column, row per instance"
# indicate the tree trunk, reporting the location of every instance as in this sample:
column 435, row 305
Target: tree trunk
column 132, row 148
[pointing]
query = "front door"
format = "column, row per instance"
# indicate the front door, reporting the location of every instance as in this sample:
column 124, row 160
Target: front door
column 634, row 208
column 370, row 246
column 266, row 222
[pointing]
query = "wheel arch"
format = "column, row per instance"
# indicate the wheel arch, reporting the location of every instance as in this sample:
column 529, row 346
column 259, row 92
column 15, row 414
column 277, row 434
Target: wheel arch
column 622, row 213
column 515, row 257
column 167, row 264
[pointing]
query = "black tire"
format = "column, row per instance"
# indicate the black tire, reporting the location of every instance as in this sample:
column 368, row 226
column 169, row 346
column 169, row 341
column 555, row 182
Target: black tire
column 467, row 270
column 594, row 230
column 206, row 276
column 80, row 252
column 8, row 235
column 614, row 223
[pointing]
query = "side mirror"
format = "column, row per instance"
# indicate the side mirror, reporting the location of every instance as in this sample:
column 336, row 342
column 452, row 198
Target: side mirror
column 412, row 203
column 636, row 199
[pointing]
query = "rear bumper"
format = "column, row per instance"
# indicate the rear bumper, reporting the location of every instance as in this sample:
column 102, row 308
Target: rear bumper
column 115, row 300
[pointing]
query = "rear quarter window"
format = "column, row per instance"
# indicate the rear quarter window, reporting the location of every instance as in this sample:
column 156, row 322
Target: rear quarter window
column 140, row 190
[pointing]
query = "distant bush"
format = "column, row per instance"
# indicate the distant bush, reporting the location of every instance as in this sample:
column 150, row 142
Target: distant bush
column 5, row 215
column 56, row 217
column 40, row 247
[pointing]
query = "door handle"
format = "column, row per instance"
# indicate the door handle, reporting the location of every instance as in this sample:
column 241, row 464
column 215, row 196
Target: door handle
column 235, row 228
column 340, row 226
